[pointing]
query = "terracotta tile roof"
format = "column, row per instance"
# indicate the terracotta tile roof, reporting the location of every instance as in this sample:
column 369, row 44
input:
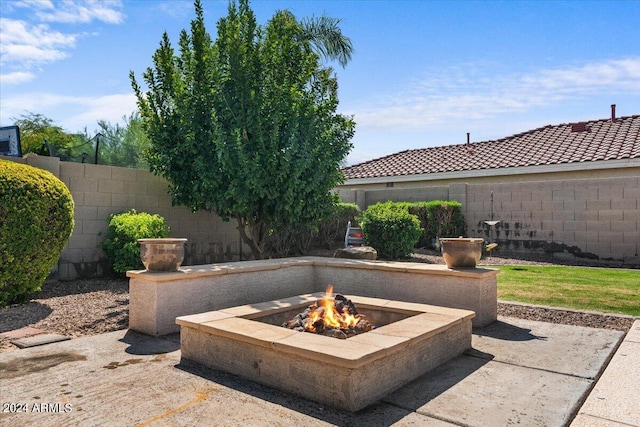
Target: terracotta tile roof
column 548, row 145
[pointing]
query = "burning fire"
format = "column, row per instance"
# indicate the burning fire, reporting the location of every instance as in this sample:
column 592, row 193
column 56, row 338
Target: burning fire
column 327, row 314
column 333, row 316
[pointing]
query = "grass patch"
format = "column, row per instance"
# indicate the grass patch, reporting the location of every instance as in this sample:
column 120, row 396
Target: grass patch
column 609, row 290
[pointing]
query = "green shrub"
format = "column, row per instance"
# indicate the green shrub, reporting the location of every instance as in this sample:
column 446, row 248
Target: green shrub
column 419, row 209
column 36, row 220
column 297, row 240
column 444, row 219
column 333, row 228
column 121, row 242
column 390, row 229
column 438, row 218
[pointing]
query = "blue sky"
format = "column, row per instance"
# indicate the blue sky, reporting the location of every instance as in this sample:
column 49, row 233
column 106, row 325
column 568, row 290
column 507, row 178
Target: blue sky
column 424, row 73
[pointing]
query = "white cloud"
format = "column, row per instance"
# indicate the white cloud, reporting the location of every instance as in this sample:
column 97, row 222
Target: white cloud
column 35, row 4
column 27, row 43
column 617, row 75
column 110, row 108
column 77, row 11
column 16, row 78
column 72, row 113
column 177, row 9
column 478, row 93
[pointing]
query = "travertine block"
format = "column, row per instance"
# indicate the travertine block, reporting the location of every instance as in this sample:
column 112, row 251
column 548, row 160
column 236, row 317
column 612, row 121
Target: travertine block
column 197, row 289
column 347, row 374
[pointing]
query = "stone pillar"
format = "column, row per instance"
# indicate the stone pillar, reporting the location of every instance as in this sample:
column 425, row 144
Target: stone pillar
column 361, row 199
column 458, row 192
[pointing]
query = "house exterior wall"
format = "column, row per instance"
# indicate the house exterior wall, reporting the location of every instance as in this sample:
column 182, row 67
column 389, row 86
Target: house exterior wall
column 99, row 191
column 590, row 214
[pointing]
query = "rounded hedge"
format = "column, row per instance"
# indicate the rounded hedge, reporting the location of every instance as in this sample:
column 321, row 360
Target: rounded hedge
column 121, row 242
column 36, row 220
column 390, row 229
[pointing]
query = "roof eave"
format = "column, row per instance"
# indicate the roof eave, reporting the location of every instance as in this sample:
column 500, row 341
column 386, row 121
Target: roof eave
column 481, row 173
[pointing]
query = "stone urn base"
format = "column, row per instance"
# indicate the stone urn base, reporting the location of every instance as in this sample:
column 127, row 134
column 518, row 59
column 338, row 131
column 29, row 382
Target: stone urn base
column 461, row 252
column 164, row 254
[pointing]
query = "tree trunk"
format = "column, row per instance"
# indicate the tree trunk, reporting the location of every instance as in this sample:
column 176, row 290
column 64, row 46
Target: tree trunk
column 253, row 241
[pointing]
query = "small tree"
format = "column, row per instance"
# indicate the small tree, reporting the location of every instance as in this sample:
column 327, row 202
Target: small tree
column 36, row 129
column 123, row 145
column 247, row 125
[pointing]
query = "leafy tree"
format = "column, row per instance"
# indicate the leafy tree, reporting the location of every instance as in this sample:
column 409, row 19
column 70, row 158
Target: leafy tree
column 118, row 145
column 246, row 125
column 123, row 145
column 327, row 39
column 37, row 130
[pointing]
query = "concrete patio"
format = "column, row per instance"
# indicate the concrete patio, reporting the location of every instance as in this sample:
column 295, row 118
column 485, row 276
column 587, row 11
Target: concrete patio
column 518, row 372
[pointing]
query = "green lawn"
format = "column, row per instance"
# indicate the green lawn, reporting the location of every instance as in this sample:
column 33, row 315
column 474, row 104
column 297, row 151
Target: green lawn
column 609, row 290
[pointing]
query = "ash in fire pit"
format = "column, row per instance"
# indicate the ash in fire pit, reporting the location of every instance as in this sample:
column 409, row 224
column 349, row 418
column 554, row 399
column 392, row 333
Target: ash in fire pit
column 335, row 317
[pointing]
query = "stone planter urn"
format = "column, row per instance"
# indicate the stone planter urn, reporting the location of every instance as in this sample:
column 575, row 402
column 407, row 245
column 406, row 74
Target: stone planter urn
column 461, row 252
column 164, row 254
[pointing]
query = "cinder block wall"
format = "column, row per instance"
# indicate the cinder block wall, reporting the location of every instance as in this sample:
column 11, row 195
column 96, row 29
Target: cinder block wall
column 588, row 218
column 570, row 215
column 588, row 215
column 99, row 191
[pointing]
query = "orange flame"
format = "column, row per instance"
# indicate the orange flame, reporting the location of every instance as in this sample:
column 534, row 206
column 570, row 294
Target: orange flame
column 329, row 315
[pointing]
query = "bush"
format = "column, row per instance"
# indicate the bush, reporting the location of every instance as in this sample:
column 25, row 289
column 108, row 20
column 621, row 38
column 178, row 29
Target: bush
column 333, row 228
column 296, row 240
column 36, row 220
column 121, row 242
column 443, row 219
column 419, row 209
column 290, row 240
column 390, row 229
column 280, row 243
column 438, row 218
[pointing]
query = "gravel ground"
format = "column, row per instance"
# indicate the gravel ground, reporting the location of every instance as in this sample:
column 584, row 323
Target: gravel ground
column 88, row 307
column 73, row 308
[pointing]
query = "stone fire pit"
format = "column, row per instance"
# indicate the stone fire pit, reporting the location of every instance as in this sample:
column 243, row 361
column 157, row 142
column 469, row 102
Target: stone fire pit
column 349, row 374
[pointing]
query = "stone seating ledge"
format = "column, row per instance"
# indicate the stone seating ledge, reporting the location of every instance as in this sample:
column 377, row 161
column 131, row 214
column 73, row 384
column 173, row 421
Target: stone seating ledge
column 156, row 299
column 191, row 271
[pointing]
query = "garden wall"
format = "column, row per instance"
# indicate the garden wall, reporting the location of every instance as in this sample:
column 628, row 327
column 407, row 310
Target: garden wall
column 586, row 214
column 99, row 191
column 591, row 215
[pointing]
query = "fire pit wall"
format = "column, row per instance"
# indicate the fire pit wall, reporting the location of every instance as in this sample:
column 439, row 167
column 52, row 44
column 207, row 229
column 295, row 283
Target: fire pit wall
column 156, row 299
column 472, row 289
column 409, row 340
